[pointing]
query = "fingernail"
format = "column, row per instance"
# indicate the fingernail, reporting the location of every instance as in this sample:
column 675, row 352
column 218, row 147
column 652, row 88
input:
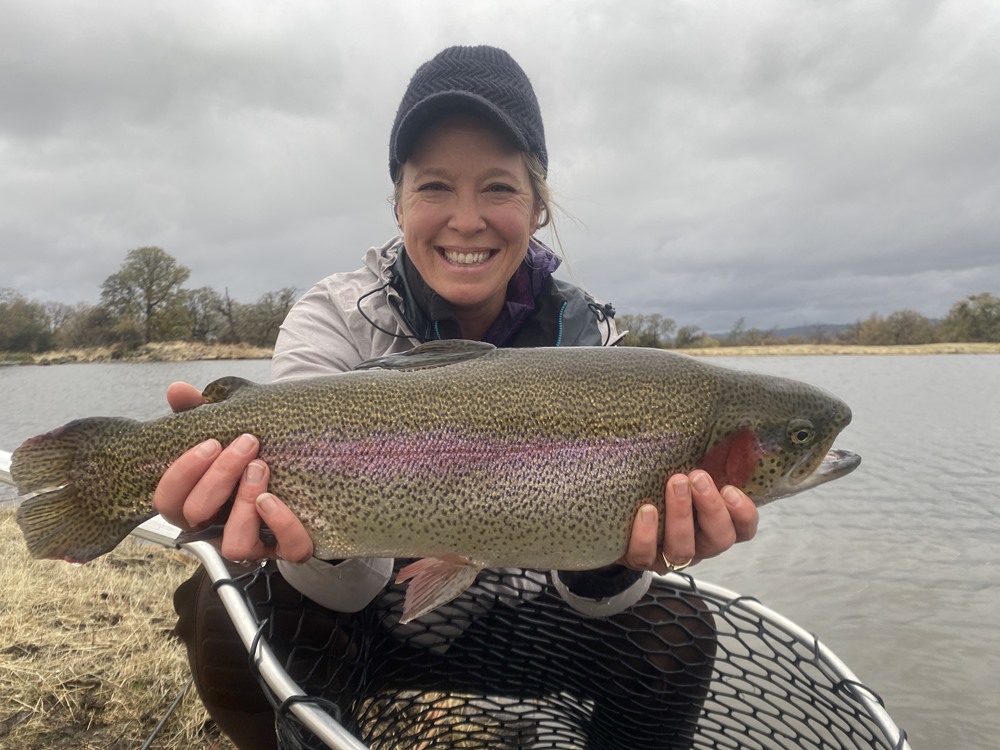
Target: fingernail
column 244, row 444
column 731, row 495
column 701, row 482
column 266, row 504
column 681, row 485
column 207, row 449
column 254, row 473
column 647, row 514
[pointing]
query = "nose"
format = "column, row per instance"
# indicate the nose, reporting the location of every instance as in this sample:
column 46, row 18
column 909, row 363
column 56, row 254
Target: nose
column 466, row 217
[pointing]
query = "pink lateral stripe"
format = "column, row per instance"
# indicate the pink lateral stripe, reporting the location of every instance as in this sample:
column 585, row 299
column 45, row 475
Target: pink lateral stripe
column 436, row 454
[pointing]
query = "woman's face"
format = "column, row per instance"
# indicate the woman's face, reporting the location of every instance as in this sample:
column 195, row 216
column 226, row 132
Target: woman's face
column 467, row 211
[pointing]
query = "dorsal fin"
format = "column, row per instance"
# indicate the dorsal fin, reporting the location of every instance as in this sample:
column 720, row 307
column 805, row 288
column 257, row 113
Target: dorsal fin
column 431, row 354
column 223, row 388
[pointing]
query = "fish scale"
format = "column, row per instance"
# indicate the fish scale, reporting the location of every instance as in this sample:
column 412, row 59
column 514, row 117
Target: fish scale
column 454, row 451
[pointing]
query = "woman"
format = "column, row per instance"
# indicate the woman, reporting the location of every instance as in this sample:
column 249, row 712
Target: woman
column 468, row 162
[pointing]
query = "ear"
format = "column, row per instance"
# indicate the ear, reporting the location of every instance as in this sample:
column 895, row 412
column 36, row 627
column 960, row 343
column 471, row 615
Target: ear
column 400, row 214
column 536, row 216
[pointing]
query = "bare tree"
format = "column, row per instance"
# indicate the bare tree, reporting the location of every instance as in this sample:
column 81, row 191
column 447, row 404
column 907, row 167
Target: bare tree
column 260, row 321
column 24, row 324
column 646, row 330
column 204, row 307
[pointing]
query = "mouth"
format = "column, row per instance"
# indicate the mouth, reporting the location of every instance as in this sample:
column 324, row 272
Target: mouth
column 835, row 464
column 466, row 258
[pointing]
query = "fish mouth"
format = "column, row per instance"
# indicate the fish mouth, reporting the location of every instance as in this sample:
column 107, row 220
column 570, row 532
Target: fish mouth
column 835, row 464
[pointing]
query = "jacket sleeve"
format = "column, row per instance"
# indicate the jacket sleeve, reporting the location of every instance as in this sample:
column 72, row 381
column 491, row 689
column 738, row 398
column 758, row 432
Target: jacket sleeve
column 314, row 339
column 347, row 586
column 604, row 592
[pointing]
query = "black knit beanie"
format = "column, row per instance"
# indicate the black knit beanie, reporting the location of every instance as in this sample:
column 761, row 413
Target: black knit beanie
column 484, row 80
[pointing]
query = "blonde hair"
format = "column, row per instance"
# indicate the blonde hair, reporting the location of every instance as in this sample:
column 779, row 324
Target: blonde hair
column 543, row 199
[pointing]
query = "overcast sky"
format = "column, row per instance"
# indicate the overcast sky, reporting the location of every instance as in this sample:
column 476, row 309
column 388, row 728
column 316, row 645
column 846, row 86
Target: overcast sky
column 786, row 162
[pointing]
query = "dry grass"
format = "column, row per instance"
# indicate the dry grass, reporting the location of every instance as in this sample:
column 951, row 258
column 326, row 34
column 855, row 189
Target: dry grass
column 87, row 655
column 164, row 351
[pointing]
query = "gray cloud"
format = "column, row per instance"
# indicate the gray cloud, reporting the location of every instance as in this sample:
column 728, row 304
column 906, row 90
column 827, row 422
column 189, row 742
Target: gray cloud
column 785, row 162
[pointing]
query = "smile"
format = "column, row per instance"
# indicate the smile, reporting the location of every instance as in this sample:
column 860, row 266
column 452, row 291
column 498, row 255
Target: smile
column 466, row 257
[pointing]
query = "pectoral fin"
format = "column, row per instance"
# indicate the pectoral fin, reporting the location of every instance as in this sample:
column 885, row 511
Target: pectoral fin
column 434, row 581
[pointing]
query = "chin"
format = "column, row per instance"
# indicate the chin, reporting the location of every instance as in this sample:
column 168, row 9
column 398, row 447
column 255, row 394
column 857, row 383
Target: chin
column 469, row 295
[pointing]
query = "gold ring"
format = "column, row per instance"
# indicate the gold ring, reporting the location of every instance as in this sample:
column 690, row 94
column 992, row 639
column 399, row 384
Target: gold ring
column 674, row 567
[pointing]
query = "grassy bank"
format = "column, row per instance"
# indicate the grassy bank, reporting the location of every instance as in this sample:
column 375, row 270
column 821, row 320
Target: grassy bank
column 87, row 656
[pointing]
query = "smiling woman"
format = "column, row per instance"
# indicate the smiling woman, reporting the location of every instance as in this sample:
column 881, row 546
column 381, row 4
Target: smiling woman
column 467, row 213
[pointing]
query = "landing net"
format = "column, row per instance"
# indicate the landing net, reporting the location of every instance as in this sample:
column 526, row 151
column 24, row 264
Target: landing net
column 509, row 665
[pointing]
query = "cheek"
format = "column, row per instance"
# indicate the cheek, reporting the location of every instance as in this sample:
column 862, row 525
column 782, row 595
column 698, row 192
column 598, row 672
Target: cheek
column 416, row 221
column 513, row 222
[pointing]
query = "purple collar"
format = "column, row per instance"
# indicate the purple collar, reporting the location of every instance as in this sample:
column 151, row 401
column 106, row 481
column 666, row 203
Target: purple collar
column 525, row 285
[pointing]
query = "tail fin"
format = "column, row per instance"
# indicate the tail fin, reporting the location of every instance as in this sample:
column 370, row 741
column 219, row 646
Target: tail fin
column 70, row 513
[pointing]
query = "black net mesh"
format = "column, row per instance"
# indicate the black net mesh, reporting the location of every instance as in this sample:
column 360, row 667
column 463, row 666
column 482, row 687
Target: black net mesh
column 510, row 665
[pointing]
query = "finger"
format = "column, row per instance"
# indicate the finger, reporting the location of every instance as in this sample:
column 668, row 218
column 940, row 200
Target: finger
column 679, row 525
column 293, row 541
column 742, row 511
column 180, row 479
column 715, row 532
column 220, row 480
column 644, row 539
column 183, row 396
column 241, row 537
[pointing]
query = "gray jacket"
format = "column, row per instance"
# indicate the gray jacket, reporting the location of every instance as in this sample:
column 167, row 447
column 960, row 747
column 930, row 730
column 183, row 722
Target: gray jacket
column 348, row 318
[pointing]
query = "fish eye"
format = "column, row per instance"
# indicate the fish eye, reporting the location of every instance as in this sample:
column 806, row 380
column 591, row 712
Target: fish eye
column 801, row 432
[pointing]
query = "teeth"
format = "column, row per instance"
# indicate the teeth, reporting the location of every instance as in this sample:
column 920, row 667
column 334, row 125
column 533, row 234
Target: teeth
column 466, row 259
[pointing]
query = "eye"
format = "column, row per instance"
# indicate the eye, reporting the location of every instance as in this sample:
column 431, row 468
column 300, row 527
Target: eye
column 499, row 187
column 801, row 432
column 432, row 186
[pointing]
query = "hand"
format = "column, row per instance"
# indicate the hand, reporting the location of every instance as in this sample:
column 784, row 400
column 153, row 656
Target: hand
column 701, row 522
column 199, row 482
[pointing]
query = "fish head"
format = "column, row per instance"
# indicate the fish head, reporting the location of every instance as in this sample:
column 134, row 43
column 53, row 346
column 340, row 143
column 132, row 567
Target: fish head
column 773, row 437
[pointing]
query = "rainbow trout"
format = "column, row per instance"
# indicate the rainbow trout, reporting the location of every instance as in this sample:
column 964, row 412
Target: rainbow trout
column 455, row 452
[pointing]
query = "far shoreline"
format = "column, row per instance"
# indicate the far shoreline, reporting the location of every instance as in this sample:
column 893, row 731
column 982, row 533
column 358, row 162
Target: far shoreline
column 824, row 350
column 183, row 351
